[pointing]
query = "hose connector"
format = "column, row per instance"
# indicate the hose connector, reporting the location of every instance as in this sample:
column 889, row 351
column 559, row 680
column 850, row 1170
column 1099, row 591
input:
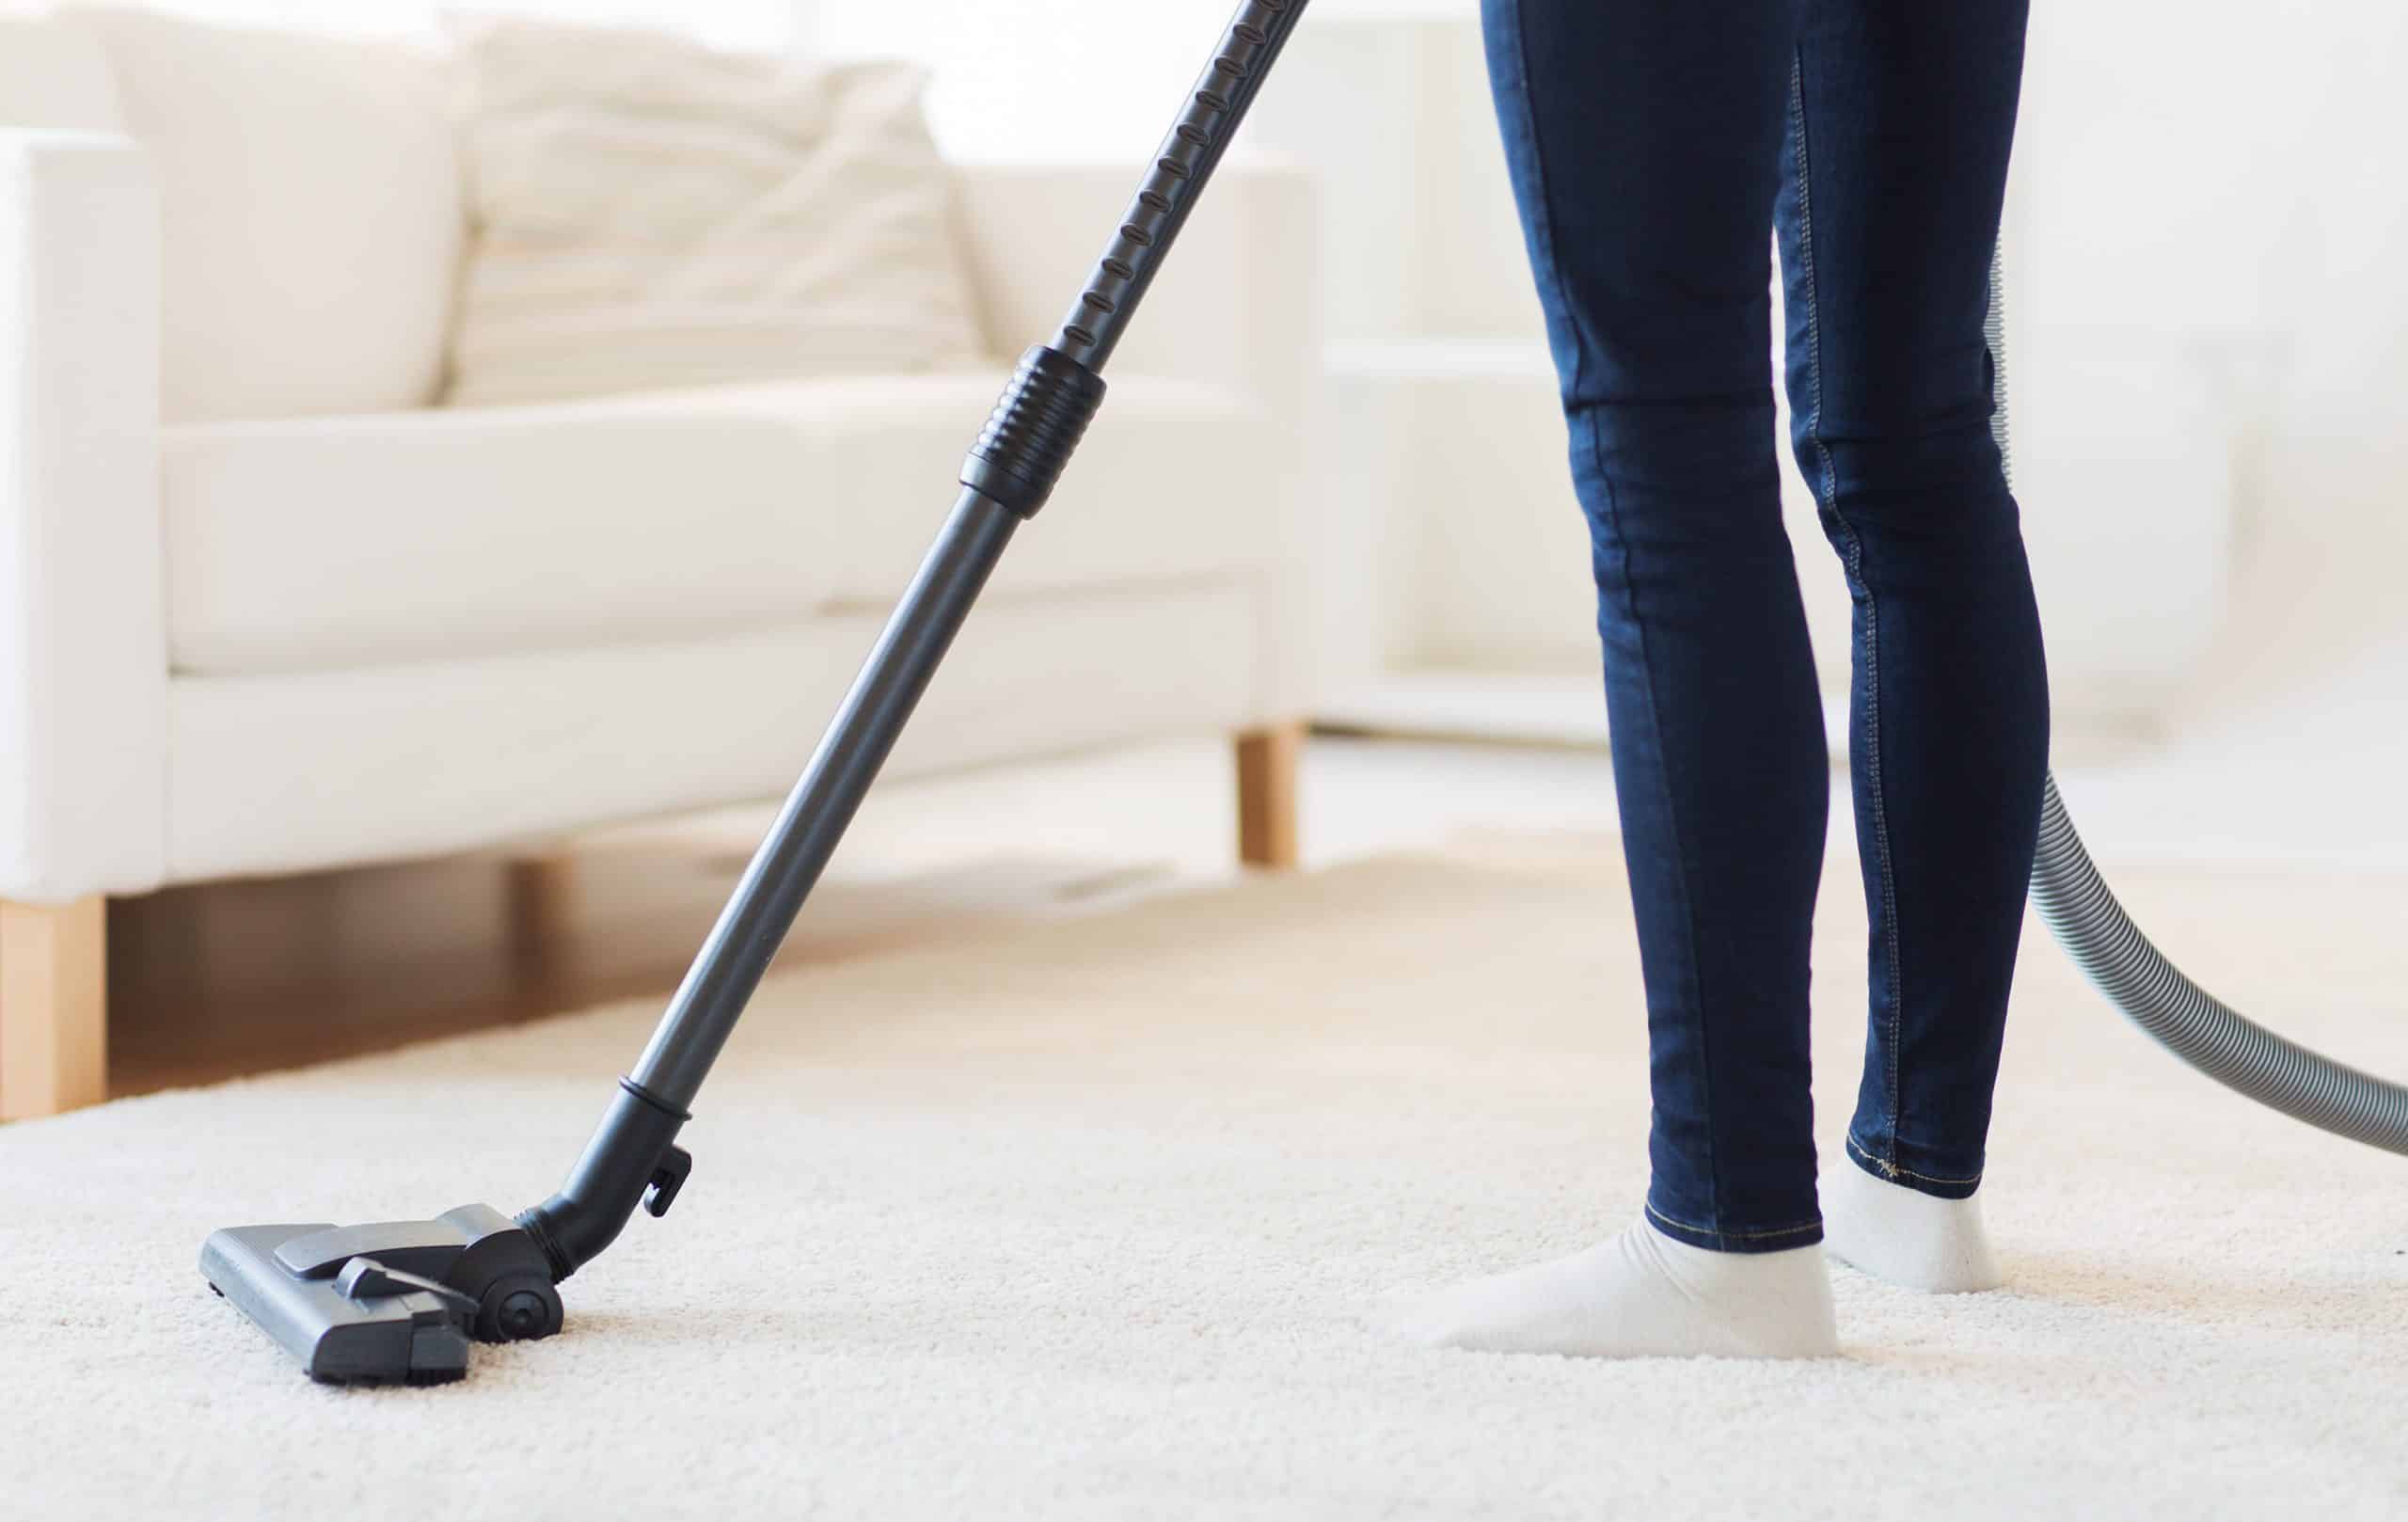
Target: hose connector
column 632, row 1160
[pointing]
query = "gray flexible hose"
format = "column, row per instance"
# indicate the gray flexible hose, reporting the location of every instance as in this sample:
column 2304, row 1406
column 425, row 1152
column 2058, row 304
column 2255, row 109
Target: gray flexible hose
column 2076, row 905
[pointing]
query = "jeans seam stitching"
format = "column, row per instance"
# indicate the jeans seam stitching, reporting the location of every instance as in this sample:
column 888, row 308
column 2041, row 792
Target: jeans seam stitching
column 1856, row 574
column 1737, row 1236
column 1692, row 975
column 1892, row 1168
column 1613, row 520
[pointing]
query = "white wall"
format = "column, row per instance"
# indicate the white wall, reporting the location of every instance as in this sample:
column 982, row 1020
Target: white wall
column 2228, row 197
column 759, row 24
column 1059, row 77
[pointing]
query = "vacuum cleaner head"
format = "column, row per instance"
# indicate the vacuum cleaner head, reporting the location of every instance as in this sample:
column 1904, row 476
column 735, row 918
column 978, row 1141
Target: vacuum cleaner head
column 391, row 1304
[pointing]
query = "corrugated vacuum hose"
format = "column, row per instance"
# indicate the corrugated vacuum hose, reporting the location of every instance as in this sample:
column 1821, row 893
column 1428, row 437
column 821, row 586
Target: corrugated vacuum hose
column 2121, row 962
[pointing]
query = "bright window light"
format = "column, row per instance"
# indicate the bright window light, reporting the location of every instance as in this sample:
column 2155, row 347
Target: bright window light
column 772, row 25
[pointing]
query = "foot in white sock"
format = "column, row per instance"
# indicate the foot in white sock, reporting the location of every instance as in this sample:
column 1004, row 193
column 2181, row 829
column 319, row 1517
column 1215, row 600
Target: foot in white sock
column 1906, row 1236
column 1640, row 1295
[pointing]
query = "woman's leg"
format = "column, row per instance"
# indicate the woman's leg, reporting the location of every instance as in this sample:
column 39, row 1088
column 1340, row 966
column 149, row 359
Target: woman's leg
column 1644, row 139
column 1902, row 117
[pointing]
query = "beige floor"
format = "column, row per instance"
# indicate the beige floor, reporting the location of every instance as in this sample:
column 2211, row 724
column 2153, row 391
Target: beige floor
column 233, row 978
column 212, row 982
column 1070, row 1219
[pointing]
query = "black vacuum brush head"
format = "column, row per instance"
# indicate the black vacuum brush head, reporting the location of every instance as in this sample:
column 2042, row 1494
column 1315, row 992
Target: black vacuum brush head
column 391, row 1304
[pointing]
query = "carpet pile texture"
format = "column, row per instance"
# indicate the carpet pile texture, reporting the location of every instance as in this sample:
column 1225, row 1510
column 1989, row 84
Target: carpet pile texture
column 1073, row 1220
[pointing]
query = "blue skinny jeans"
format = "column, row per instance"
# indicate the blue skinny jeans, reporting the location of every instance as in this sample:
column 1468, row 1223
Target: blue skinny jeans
column 1652, row 144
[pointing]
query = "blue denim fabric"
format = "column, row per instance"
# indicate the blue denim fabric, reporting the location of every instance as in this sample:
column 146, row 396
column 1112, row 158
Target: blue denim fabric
column 1654, row 146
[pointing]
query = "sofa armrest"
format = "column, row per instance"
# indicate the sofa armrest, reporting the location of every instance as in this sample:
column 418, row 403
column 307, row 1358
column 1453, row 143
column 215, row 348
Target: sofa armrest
column 1233, row 303
column 82, row 644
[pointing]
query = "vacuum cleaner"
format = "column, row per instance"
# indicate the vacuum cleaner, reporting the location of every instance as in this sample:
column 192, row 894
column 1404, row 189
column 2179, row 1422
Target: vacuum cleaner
column 400, row 1302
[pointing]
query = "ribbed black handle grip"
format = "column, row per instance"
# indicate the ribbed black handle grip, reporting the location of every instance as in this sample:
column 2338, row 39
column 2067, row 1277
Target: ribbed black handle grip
column 1036, row 424
column 1183, row 163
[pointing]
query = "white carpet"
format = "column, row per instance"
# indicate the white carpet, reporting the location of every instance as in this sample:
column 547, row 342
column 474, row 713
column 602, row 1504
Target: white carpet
column 1068, row 1222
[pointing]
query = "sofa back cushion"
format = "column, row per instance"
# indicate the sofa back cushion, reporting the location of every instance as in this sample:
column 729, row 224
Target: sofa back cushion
column 54, row 75
column 310, row 214
column 648, row 213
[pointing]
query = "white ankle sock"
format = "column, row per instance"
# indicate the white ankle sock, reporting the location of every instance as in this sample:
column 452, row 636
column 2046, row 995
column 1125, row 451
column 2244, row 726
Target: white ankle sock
column 1904, row 1235
column 1639, row 1294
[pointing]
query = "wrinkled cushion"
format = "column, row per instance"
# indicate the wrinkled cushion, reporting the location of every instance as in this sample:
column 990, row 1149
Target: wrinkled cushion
column 650, row 213
column 331, row 543
column 311, row 221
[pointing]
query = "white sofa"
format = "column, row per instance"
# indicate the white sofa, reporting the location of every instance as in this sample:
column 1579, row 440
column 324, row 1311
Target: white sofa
column 264, row 609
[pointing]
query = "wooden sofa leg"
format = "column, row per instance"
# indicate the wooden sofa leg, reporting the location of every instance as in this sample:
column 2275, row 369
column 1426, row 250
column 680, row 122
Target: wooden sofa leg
column 54, row 1006
column 1267, row 761
column 542, row 896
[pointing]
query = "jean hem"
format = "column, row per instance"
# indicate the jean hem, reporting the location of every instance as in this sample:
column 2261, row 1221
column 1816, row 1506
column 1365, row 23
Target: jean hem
column 1932, row 1181
column 1749, row 1240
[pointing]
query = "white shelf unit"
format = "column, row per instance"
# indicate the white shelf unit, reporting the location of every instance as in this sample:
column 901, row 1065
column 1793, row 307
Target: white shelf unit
column 1449, row 542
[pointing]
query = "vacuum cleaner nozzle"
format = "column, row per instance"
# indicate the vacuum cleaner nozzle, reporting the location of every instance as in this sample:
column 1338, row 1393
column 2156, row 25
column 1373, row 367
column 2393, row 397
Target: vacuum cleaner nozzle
column 398, row 1302
column 395, row 1303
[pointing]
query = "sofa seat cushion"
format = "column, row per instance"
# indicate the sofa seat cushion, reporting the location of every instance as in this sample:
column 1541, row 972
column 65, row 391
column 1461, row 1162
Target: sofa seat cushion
column 326, row 543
